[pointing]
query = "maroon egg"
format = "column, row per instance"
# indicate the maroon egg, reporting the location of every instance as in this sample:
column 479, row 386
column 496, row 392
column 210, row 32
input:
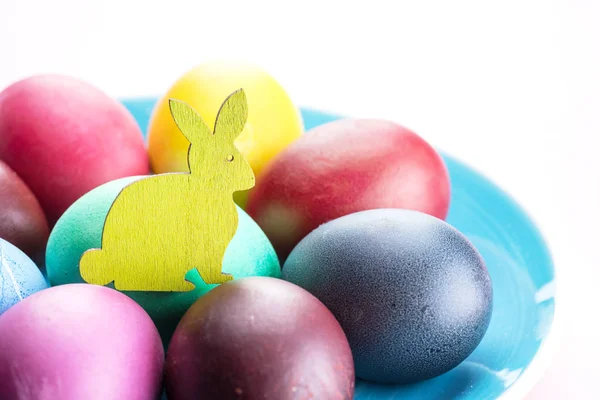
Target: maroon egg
column 259, row 338
column 22, row 221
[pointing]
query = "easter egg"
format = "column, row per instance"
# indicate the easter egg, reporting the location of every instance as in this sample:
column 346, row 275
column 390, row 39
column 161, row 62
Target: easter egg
column 64, row 137
column 19, row 276
column 273, row 120
column 80, row 229
column 342, row 167
column 77, row 342
column 259, row 338
column 22, row 221
column 412, row 294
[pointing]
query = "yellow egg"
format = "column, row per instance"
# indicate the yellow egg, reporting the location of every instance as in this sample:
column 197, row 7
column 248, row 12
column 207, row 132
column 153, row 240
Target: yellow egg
column 273, row 122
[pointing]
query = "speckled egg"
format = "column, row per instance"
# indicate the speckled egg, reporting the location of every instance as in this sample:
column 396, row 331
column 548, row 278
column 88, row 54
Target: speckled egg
column 77, row 342
column 80, row 228
column 412, row 294
column 19, row 276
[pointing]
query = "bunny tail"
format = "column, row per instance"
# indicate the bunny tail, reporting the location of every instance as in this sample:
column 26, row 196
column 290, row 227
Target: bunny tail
column 92, row 268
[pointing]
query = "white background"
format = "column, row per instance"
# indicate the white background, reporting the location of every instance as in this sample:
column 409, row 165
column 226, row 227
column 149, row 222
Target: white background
column 511, row 87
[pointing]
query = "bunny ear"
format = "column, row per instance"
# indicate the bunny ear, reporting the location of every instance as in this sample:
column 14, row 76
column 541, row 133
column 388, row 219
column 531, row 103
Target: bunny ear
column 232, row 116
column 189, row 122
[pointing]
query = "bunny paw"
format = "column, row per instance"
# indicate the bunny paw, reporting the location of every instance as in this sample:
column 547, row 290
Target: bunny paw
column 226, row 278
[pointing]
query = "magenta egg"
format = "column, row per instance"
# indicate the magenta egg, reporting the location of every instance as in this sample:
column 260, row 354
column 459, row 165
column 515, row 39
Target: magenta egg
column 79, row 341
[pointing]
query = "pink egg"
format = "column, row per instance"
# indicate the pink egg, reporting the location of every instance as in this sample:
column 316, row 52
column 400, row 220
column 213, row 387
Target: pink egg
column 64, row 137
column 76, row 342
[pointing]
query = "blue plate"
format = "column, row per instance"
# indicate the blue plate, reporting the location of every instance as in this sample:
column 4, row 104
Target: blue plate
column 522, row 274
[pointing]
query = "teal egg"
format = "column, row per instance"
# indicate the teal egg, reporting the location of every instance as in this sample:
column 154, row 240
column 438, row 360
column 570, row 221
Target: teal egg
column 80, row 228
column 19, row 276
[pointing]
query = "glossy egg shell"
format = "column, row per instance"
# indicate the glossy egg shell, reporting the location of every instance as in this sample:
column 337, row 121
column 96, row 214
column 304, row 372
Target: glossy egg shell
column 64, row 137
column 273, row 120
column 80, row 228
column 22, row 221
column 77, row 342
column 413, row 295
column 342, row 167
column 19, row 276
column 259, row 338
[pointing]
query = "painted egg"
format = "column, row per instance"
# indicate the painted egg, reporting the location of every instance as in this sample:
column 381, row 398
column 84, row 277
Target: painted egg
column 273, row 120
column 64, row 137
column 19, row 276
column 249, row 253
column 78, row 342
column 259, row 338
column 342, row 167
column 412, row 293
column 22, row 221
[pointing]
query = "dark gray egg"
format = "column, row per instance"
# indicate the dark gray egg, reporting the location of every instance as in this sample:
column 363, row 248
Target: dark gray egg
column 412, row 294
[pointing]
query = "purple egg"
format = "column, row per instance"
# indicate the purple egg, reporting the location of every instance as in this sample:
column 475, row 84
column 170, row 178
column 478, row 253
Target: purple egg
column 76, row 342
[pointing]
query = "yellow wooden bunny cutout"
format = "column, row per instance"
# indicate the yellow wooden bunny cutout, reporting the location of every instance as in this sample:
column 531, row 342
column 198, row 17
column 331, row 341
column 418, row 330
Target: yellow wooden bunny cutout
column 163, row 226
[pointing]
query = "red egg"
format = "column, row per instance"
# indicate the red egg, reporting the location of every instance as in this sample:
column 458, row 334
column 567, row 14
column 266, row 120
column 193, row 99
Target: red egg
column 22, row 221
column 64, row 137
column 344, row 167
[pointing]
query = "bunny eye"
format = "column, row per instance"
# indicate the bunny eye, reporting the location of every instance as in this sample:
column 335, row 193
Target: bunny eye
column 230, row 158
